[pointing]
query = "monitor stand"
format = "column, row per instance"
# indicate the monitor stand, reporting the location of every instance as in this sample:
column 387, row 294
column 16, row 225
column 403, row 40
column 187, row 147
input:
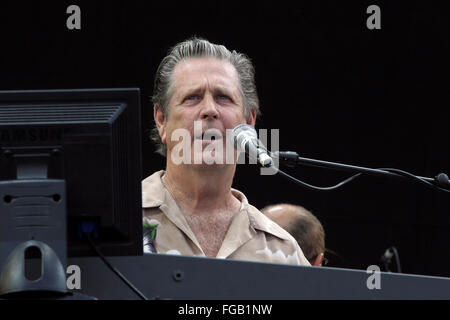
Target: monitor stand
column 33, row 245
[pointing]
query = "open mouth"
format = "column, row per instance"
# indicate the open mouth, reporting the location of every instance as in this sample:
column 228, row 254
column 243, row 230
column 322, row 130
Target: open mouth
column 210, row 135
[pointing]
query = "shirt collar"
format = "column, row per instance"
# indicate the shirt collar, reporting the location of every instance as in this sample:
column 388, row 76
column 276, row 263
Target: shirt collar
column 155, row 194
column 153, row 190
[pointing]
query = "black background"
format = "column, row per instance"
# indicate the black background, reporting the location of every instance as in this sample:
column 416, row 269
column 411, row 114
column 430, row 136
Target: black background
column 336, row 90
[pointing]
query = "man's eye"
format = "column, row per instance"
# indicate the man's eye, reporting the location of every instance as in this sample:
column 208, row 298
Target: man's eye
column 224, row 97
column 192, row 97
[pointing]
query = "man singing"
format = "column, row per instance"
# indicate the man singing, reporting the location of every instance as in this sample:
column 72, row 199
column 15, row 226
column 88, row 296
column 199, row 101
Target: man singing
column 201, row 91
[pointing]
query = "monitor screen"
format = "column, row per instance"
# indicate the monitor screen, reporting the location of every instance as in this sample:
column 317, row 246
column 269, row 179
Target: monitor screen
column 91, row 140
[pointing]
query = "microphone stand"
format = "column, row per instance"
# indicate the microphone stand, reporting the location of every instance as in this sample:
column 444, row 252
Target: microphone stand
column 292, row 159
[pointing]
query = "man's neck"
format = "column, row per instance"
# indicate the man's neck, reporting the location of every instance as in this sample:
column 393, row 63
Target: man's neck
column 201, row 190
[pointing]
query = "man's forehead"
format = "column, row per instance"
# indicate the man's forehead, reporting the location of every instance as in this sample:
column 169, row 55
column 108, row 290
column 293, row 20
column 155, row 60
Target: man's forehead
column 192, row 71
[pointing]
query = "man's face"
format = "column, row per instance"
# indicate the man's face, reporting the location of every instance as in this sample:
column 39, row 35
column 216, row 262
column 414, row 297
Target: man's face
column 206, row 92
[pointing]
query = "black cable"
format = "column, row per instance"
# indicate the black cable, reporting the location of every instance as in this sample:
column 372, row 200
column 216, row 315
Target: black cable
column 397, row 259
column 414, row 178
column 311, row 187
column 113, row 269
column 390, row 170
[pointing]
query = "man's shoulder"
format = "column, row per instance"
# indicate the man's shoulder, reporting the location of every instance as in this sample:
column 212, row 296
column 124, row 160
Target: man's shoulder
column 153, row 190
column 153, row 178
column 260, row 222
column 280, row 240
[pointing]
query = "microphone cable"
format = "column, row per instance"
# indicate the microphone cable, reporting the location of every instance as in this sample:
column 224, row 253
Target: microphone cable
column 307, row 185
column 402, row 173
column 415, row 178
column 315, row 188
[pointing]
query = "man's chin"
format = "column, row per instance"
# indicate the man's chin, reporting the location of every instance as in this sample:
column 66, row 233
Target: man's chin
column 209, row 160
column 207, row 167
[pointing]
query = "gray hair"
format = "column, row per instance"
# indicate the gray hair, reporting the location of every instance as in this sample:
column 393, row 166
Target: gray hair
column 197, row 48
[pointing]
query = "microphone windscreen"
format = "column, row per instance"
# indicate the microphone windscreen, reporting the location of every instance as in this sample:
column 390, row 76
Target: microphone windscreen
column 240, row 132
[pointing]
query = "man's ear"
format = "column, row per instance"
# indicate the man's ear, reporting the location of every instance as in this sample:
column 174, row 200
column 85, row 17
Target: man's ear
column 318, row 261
column 251, row 120
column 160, row 121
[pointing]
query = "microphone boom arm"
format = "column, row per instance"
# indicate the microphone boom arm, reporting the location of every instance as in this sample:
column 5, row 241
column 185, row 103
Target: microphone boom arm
column 292, row 159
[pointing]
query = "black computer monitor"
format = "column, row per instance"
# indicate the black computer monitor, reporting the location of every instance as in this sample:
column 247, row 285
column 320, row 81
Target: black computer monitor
column 72, row 151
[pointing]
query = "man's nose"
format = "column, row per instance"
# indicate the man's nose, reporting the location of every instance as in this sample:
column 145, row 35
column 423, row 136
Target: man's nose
column 209, row 109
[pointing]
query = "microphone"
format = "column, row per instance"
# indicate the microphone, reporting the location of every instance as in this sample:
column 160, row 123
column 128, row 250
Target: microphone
column 387, row 256
column 245, row 139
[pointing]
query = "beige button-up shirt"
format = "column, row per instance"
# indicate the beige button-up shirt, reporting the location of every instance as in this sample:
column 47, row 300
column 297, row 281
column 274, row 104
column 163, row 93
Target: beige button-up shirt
column 251, row 235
